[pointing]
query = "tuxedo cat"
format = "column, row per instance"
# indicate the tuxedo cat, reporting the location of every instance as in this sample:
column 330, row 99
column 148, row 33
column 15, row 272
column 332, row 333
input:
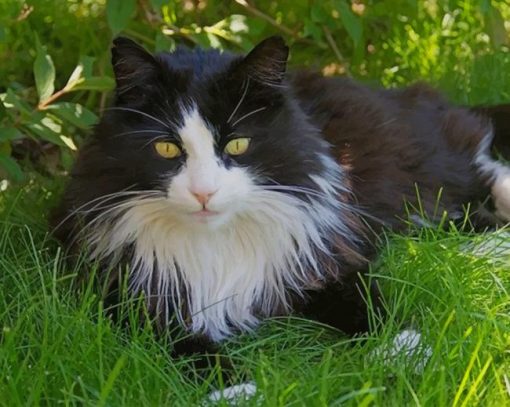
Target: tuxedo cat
column 229, row 190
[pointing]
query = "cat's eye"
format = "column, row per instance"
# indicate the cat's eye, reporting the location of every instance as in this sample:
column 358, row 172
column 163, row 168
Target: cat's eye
column 237, row 146
column 167, row 150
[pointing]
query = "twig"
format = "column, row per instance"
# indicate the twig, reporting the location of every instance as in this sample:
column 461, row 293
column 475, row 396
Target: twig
column 335, row 49
column 256, row 12
column 45, row 103
column 270, row 20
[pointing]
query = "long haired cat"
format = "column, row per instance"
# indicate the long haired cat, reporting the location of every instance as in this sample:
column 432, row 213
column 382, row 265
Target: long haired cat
column 230, row 190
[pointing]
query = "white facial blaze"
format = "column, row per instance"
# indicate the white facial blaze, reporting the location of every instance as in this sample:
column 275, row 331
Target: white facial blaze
column 259, row 244
column 202, row 171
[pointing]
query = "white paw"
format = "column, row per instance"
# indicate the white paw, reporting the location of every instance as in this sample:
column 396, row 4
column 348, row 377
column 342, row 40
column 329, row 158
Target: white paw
column 495, row 246
column 234, row 394
column 501, row 193
column 408, row 344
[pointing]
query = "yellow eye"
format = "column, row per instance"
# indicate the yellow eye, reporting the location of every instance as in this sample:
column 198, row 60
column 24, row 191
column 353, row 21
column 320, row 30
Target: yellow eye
column 237, row 146
column 167, row 150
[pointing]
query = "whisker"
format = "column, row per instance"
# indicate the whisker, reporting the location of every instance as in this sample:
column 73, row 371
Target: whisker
column 240, row 100
column 139, row 131
column 151, row 141
column 100, row 208
column 128, row 109
column 99, row 201
column 167, row 118
column 248, row 115
column 109, row 196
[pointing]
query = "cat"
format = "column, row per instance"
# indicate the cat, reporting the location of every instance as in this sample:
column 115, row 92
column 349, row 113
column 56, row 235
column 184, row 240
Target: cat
column 235, row 191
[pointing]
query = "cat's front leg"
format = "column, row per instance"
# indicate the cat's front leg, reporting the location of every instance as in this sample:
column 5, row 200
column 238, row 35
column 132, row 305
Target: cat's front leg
column 352, row 306
column 355, row 307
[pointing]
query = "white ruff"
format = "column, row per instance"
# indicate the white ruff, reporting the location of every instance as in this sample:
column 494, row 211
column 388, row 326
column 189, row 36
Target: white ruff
column 228, row 272
column 221, row 272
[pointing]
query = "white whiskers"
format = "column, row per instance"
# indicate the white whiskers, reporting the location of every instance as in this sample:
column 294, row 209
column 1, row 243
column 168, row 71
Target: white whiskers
column 128, row 109
column 248, row 115
column 240, row 100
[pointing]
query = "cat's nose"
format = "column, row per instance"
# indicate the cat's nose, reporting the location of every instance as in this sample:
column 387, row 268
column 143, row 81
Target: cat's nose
column 202, row 197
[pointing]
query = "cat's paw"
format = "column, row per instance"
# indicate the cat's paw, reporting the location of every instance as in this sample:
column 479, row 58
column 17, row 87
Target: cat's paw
column 501, row 192
column 407, row 344
column 233, row 394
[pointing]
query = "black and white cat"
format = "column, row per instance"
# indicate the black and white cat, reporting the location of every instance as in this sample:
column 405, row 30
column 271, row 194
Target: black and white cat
column 235, row 191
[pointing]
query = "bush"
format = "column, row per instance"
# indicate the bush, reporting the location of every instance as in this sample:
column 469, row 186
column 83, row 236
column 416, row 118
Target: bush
column 57, row 75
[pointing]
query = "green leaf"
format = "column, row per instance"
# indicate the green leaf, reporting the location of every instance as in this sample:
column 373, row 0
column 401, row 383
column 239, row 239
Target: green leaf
column 99, row 83
column 118, row 13
column 74, row 113
column 11, row 167
column 318, row 13
column 311, row 29
column 350, row 21
column 82, row 71
column 9, row 133
column 496, row 27
column 75, row 77
column 45, row 133
column 164, row 43
column 12, row 100
column 87, row 63
column 44, row 72
column 66, row 159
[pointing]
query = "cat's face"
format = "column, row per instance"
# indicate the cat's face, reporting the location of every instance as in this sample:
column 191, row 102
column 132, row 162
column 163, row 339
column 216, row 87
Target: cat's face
column 208, row 177
column 208, row 131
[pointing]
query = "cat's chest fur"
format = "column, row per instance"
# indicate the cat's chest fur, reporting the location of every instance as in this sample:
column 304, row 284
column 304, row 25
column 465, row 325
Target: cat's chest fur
column 217, row 280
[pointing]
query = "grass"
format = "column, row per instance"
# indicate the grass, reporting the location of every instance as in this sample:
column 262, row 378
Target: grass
column 57, row 346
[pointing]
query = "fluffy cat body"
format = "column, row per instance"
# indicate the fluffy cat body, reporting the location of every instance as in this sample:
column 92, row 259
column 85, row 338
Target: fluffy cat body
column 217, row 239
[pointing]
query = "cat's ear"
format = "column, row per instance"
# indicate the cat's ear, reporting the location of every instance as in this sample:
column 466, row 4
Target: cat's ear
column 267, row 62
column 133, row 66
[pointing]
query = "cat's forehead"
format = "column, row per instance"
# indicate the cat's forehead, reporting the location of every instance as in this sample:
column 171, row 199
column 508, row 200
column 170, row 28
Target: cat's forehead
column 197, row 64
column 197, row 136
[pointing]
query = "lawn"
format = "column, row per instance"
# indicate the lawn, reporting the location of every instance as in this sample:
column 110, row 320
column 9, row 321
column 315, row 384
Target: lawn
column 57, row 346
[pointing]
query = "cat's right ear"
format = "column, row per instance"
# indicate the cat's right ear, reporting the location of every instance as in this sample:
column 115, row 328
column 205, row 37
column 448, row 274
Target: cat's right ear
column 133, row 66
column 267, row 62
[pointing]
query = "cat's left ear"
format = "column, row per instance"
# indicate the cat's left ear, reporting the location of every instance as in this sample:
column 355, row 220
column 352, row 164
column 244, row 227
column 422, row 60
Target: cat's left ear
column 267, row 62
column 133, row 66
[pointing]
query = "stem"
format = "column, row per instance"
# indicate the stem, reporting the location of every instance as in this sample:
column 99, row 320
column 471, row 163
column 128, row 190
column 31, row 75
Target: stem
column 335, row 49
column 264, row 16
column 45, row 103
column 256, row 12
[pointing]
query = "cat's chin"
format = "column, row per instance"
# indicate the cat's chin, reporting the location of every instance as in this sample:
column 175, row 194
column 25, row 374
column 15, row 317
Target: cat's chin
column 209, row 218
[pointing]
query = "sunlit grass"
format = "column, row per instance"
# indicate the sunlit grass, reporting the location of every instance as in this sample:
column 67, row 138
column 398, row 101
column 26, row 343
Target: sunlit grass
column 57, row 345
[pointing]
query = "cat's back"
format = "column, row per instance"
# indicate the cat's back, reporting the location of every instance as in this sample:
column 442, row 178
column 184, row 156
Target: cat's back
column 389, row 141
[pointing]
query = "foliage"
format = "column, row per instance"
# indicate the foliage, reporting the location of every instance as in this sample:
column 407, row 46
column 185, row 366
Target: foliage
column 56, row 73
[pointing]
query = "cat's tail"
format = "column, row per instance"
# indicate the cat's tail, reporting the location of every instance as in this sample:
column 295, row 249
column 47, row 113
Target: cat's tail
column 491, row 161
column 500, row 118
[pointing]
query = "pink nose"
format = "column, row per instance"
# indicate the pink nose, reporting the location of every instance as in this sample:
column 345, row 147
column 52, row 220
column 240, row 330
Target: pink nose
column 203, row 197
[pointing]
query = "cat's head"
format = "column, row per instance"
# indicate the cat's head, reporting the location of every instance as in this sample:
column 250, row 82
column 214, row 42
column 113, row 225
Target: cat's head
column 207, row 130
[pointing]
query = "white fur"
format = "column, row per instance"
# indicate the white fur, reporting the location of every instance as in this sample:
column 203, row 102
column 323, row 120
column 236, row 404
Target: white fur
column 221, row 270
column 407, row 344
column 500, row 178
column 234, row 394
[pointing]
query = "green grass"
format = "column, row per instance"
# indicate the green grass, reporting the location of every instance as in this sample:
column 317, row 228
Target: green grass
column 57, row 346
